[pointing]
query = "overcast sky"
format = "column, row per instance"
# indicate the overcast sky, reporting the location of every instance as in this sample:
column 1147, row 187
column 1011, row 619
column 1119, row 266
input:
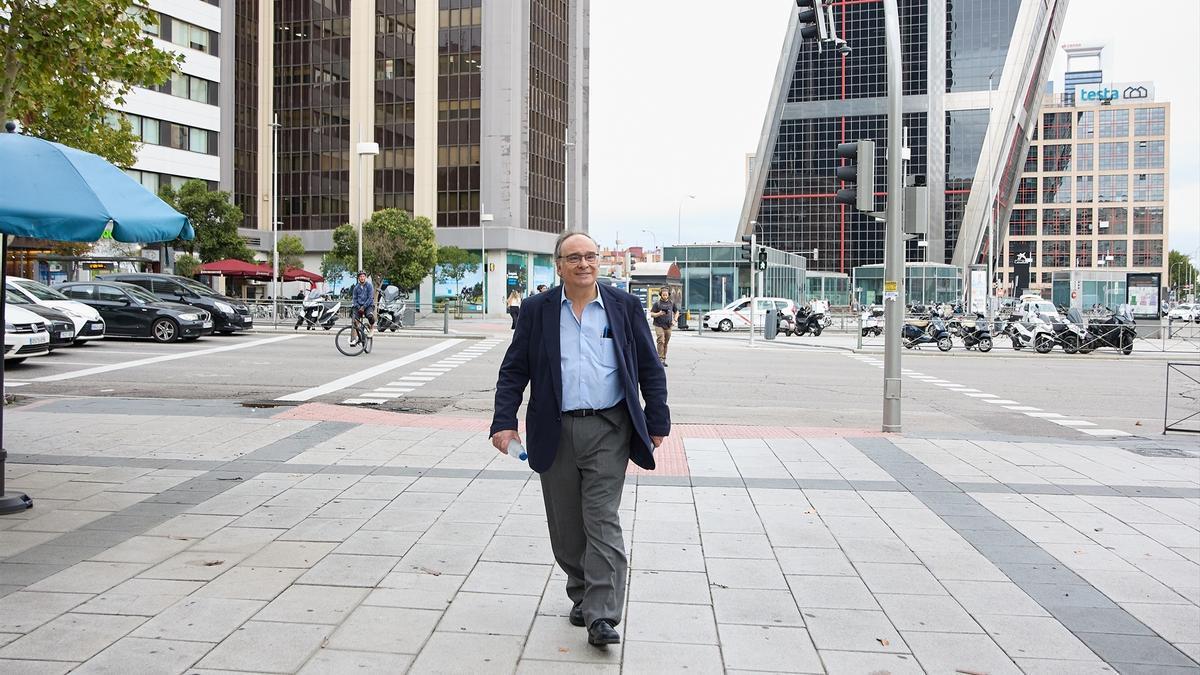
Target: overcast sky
column 679, row 89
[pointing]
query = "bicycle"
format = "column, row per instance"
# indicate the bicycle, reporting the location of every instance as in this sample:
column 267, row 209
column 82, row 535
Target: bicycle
column 354, row 339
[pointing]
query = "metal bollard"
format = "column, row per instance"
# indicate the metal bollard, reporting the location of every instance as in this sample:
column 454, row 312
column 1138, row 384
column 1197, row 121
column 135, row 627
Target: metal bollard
column 860, row 325
column 446, row 319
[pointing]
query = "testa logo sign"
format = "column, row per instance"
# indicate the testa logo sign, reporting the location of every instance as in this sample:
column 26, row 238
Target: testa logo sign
column 1109, row 92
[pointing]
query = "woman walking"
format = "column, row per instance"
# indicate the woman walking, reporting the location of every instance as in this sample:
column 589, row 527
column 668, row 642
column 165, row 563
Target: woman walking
column 514, row 306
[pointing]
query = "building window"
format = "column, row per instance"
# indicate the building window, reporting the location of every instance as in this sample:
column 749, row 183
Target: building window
column 1084, row 155
column 154, row 181
column 1056, row 190
column 169, row 134
column 1056, row 157
column 1114, row 156
column 1148, row 187
column 1149, row 155
column 1056, row 126
column 1027, row 191
column 1087, row 124
column 1022, row 223
column 1114, row 123
column 1056, row 253
column 1147, row 220
column 1056, row 222
column 1114, row 188
column 191, row 87
column 1150, row 121
column 1114, row 221
column 1112, row 252
column 183, row 34
column 1147, row 252
column 1083, row 253
column 1084, row 219
column 1031, row 159
column 1083, row 188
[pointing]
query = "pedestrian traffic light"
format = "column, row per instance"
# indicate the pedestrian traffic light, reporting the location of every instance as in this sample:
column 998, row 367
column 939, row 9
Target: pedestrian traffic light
column 747, row 248
column 859, row 171
column 812, row 20
column 762, row 258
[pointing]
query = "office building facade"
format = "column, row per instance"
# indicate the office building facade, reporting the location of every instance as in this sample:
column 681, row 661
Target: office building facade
column 973, row 71
column 478, row 110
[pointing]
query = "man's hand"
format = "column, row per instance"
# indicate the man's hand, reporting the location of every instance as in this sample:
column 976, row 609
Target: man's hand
column 501, row 439
column 656, row 440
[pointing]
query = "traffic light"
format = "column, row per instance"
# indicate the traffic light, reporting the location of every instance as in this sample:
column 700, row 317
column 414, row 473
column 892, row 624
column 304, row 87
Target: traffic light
column 812, row 20
column 747, row 247
column 859, row 171
column 762, row 258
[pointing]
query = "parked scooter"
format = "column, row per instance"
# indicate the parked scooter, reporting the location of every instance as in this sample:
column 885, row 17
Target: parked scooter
column 1030, row 331
column 808, row 321
column 872, row 322
column 933, row 330
column 318, row 309
column 391, row 310
column 1117, row 331
column 786, row 323
column 1070, row 332
column 976, row 334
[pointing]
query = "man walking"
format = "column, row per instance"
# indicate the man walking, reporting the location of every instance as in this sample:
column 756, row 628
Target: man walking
column 363, row 301
column 585, row 351
column 664, row 314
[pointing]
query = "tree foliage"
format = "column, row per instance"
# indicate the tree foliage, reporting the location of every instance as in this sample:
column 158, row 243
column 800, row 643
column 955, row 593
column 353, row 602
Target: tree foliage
column 215, row 219
column 1180, row 270
column 454, row 263
column 396, row 247
column 333, row 267
column 65, row 62
column 291, row 250
column 187, row 265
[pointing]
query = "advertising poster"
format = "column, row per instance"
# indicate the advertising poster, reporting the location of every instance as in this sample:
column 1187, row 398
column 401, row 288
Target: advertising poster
column 979, row 290
column 1143, row 294
column 543, row 271
column 460, row 282
column 517, row 275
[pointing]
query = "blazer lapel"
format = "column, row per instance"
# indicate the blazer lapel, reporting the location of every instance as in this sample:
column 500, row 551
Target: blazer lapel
column 550, row 339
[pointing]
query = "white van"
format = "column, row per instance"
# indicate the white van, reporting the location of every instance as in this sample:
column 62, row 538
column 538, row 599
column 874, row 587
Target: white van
column 737, row 313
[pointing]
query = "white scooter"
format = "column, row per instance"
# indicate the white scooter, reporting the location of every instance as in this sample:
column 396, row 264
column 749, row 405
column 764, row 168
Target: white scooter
column 1031, row 331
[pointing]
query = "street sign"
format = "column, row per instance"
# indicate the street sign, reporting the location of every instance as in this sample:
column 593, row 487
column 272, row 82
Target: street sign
column 889, row 287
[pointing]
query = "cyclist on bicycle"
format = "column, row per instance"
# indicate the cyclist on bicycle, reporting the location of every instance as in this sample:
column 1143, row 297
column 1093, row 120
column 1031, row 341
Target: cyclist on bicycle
column 363, row 302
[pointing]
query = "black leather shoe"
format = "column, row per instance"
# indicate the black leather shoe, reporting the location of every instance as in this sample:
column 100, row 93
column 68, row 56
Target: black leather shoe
column 577, row 615
column 601, row 633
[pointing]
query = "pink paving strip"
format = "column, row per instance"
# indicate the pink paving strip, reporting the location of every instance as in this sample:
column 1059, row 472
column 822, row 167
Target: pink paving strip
column 670, row 458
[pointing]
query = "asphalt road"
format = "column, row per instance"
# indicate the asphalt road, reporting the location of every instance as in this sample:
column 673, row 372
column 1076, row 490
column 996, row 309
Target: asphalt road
column 712, row 380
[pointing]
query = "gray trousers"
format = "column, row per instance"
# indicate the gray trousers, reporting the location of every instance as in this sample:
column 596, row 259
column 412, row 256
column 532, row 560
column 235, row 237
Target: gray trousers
column 582, row 491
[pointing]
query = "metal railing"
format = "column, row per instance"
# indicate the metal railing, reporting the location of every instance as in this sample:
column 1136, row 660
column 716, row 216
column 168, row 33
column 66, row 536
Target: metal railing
column 1181, row 399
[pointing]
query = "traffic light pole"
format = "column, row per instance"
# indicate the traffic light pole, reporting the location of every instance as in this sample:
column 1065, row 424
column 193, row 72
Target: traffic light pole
column 893, row 255
column 753, row 274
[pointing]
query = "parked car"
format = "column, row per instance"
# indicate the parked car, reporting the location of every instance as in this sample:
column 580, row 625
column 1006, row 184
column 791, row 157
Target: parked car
column 228, row 315
column 25, row 334
column 737, row 313
column 1184, row 312
column 62, row 329
column 133, row 311
column 88, row 324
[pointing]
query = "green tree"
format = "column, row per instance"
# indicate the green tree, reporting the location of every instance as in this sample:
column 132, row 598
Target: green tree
column 454, row 263
column 63, row 63
column 187, row 265
column 332, row 266
column 396, row 247
column 215, row 219
column 1180, row 271
column 291, row 250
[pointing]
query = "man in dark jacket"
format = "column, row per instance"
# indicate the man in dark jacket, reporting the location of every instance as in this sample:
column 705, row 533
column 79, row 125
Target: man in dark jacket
column 585, row 351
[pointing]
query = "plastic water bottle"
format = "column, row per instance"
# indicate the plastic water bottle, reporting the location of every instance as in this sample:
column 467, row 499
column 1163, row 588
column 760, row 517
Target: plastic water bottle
column 517, row 451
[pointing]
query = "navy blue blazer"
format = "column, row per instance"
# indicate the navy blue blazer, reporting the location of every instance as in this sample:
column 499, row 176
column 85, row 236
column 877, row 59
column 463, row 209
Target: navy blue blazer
column 534, row 358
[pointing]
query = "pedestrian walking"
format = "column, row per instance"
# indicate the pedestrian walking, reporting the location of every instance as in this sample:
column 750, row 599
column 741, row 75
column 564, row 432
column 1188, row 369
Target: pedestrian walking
column 514, row 306
column 664, row 313
column 584, row 350
column 541, row 288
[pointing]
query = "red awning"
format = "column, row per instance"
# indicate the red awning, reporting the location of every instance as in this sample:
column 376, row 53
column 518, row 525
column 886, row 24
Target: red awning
column 297, row 274
column 236, row 268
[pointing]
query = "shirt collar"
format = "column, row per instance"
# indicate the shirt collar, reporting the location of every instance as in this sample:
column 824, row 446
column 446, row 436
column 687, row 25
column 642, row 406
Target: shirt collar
column 599, row 296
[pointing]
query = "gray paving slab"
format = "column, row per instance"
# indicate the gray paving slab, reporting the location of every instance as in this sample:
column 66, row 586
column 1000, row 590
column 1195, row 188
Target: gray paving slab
column 651, row 658
column 338, row 661
column 267, row 647
column 199, row 619
column 395, row 630
column 468, row 652
column 768, row 648
column 71, row 637
column 141, row 655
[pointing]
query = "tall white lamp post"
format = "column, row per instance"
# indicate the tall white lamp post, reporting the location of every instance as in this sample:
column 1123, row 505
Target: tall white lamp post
column 679, row 220
column 484, row 219
column 567, row 145
column 364, row 149
column 275, row 219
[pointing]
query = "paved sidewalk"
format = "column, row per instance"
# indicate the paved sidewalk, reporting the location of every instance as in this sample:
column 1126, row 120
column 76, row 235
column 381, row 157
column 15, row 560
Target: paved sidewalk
column 202, row 537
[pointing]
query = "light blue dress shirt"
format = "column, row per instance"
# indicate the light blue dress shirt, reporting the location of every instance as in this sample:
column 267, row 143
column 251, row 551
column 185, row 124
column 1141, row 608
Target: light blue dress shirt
column 589, row 357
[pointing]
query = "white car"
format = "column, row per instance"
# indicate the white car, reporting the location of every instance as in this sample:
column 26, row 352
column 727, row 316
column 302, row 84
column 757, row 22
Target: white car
column 88, row 324
column 737, row 313
column 25, row 334
column 1184, row 312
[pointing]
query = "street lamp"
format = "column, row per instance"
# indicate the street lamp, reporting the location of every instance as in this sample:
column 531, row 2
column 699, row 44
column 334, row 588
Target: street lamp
column 364, row 149
column 567, row 145
column 275, row 219
column 654, row 237
column 679, row 220
column 484, row 218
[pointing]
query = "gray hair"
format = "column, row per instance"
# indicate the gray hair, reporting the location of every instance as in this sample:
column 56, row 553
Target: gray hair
column 567, row 235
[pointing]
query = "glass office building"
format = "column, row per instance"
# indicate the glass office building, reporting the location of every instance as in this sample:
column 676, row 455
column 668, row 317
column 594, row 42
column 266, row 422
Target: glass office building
column 925, row 284
column 714, row 275
column 954, row 53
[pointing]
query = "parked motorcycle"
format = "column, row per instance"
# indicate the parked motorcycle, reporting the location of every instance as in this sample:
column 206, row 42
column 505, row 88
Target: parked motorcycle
column 319, row 309
column 872, row 322
column 933, row 330
column 1071, row 332
column 1030, row 331
column 808, row 321
column 976, row 334
column 391, row 310
column 786, row 323
column 1117, row 331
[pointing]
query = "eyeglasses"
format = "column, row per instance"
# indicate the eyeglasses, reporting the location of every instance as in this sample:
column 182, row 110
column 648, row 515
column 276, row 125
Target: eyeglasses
column 576, row 258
